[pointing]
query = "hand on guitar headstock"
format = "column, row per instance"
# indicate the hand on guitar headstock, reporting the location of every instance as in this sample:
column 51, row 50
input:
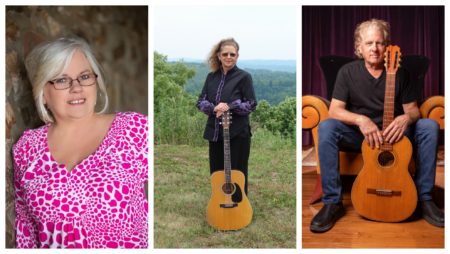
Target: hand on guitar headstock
column 220, row 109
column 226, row 119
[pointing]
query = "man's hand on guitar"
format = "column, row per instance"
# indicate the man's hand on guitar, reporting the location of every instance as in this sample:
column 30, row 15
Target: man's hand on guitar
column 222, row 107
column 394, row 132
column 370, row 131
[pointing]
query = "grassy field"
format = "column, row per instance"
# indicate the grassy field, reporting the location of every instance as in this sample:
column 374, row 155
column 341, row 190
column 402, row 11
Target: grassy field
column 182, row 190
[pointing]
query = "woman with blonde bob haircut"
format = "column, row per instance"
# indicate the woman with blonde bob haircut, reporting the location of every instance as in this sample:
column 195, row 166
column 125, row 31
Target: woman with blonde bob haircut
column 79, row 179
column 44, row 63
column 227, row 88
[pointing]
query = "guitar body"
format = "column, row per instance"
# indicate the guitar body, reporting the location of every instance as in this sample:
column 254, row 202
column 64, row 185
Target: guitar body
column 384, row 189
column 230, row 211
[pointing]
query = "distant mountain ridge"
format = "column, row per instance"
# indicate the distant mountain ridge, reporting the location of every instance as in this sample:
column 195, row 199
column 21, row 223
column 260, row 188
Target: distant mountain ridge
column 273, row 65
column 272, row 86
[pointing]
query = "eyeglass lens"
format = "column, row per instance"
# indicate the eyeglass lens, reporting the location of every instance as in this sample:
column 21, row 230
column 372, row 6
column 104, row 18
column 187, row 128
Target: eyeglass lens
column 84, row 80
column 226, row 54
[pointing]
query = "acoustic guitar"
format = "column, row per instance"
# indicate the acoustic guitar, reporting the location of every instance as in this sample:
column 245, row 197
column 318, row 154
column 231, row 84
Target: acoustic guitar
column 228, row 208
column 384, row 189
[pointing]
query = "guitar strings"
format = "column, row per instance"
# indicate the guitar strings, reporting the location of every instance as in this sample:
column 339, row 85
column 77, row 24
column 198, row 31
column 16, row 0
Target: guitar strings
column 389, row 99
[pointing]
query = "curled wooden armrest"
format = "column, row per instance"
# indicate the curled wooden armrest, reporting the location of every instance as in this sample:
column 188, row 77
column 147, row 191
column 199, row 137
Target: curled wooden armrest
column 314, row 110
column 434, row 108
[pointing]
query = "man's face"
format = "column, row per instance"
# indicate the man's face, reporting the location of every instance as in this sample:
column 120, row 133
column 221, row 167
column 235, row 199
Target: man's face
column 372, row 47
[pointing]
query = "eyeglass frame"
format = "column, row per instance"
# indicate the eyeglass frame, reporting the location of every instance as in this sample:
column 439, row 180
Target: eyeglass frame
column 71, row 81
column 228, row 54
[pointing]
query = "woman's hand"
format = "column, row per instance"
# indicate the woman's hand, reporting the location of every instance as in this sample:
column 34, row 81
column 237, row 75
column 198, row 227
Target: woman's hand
column 220, row 109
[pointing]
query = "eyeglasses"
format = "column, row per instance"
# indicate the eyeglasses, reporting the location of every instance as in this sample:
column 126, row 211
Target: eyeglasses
column 226, row 54
column 65, row 83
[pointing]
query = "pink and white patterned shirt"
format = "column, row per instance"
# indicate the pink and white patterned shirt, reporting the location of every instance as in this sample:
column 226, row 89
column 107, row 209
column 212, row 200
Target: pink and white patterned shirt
column 99, row 204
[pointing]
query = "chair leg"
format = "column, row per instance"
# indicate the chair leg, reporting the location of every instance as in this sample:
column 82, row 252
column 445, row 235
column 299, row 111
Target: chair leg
column 317, row 191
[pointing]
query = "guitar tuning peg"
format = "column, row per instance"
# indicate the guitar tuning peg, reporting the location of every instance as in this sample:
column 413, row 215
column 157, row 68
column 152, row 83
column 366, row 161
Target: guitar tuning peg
column 220, row 122
column 385, row 65
column 231, row 117
column 399, row 66
column 399, row 60
column 231, row 122
column 400, row 54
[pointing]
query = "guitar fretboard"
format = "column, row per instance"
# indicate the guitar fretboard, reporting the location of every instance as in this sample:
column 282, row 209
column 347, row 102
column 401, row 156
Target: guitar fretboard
column 388, row 115
column 226, row 154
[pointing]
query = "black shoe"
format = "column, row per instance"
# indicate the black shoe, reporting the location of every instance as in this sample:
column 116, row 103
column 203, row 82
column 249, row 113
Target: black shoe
column 326, row 217
column 429, row 211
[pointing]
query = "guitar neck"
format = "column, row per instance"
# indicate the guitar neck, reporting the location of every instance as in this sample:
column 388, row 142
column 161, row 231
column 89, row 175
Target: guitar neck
column 388, row 115
column 389, row 97
column 392, row 63
column 226, row 154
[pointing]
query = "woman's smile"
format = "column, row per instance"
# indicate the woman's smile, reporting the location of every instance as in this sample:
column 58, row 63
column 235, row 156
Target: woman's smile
column 77, row 102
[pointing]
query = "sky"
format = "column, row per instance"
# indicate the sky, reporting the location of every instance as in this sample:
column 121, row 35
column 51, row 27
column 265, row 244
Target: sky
column 262, row 32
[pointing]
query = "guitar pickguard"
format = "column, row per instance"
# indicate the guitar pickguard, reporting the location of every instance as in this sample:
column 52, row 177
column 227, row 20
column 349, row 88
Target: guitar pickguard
column 237, row 195
column 228, row 212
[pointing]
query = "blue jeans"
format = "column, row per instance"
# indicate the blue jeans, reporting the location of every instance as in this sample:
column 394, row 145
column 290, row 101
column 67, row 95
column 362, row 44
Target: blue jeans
column 335, row 135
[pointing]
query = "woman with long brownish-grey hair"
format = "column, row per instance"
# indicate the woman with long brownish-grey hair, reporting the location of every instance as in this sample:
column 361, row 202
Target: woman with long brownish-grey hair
column 227, row 88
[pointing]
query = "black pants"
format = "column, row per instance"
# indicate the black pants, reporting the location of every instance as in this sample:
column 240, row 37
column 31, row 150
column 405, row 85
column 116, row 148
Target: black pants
column 240, row 152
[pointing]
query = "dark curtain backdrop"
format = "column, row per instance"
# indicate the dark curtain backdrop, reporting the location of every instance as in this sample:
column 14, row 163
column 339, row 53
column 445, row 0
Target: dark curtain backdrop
column 328, row 30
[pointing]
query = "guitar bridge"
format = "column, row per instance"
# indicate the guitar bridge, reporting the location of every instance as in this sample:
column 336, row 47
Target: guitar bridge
column 228, row 205
column 385, row 193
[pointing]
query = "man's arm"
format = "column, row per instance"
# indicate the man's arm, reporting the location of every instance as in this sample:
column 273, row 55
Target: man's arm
column 368, row 128
column 394, row 132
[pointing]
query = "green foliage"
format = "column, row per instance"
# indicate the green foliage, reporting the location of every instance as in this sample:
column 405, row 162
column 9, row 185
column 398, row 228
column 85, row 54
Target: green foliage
column 280, row 121
column 272, row 86
column 177, row 120
column 176, row 123
column 169, row 79
column 263, row 138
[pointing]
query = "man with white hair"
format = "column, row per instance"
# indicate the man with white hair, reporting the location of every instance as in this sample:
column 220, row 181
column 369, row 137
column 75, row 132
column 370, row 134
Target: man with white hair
column 356, row 114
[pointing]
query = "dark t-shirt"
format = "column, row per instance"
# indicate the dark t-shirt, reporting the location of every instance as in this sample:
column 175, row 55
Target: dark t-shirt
column 364, row 94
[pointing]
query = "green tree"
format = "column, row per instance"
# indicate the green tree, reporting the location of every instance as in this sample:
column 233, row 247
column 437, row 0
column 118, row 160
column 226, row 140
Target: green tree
column 169, row 79
column 287, row 115
column 278, row 120
column 176, row 119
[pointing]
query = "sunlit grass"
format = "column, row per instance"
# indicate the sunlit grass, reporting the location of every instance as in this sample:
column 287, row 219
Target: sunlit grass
column 182, row 190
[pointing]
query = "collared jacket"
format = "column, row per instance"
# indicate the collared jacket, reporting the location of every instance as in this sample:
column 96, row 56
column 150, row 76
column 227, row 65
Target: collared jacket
column 236, row 89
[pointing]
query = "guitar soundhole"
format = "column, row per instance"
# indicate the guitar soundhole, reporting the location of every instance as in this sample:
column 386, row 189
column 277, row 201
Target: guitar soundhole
column 228, row 188
column 386, row 159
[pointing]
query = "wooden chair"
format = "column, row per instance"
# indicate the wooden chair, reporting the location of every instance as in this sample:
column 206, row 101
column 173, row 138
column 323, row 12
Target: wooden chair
column 315, row 110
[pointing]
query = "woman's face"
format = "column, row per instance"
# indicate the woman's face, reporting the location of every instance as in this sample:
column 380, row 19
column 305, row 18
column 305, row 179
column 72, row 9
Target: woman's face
column 74, row 102
column 225, row 56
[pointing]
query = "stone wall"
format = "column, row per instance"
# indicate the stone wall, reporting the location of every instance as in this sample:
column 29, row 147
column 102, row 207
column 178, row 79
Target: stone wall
column 118, row 34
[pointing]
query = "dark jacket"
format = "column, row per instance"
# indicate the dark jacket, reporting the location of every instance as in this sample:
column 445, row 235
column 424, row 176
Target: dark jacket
column 236, row 89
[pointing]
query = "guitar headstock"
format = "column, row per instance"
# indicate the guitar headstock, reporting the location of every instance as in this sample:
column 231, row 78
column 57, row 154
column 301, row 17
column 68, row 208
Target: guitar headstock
column 392, row 59
column 226, row 119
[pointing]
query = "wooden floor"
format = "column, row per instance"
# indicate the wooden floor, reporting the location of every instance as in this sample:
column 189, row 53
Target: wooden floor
column 353, row 231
